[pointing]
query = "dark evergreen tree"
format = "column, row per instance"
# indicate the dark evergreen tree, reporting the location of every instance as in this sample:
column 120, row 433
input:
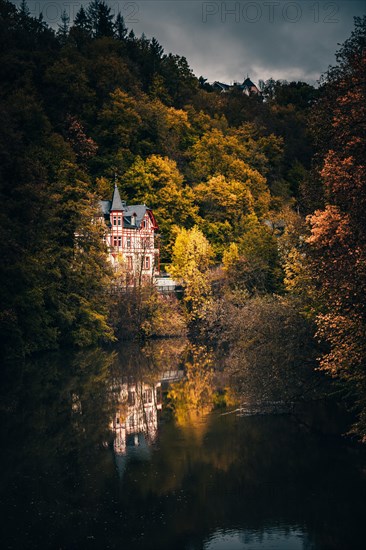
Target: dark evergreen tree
column 100, row 19
column 63, row 29
column 156, row 49
column 24, row 10
column 120, row 27
column 81, row 21
column 131, row 36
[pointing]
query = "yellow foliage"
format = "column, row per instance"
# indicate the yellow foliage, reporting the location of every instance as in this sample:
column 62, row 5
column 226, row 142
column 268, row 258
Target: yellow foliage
column 222, row 198
column 192, row 252
column 193, row 397
column 192, row 257
column 230, row 256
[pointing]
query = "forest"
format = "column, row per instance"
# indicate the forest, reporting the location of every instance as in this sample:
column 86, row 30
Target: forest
column 260, row 200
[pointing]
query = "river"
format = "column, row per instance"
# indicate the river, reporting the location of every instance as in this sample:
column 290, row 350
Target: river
column 93, row 456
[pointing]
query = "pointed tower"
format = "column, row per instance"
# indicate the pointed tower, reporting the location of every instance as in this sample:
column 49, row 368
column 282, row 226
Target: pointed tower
column 116, row 219
column 116, row 205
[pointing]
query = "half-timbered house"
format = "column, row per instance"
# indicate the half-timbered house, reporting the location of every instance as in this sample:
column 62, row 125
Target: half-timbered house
column 131, row 237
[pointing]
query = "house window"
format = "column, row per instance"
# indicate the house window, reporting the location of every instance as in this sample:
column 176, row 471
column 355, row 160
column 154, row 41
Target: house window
column 131, row 398
column 129, row 262
column 119, row 220
column 115, row 241
column 147, row 262
column 145, row 242
column 114, row 220
column 143, row 223
column 128, row 242
column 147, row 396
column 119, row 241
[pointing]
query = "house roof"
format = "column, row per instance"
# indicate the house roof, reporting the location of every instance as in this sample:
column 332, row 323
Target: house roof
column 105, row 207
column 139, row 210
column 248, row 83
column 221, row 85
column 247, row 86
column 116, row 199
column 116, row 204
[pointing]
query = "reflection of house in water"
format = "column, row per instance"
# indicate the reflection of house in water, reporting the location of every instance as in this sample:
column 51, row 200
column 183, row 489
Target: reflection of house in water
column 136, row 423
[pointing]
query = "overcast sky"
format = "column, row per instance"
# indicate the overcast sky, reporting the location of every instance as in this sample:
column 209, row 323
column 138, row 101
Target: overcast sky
column 226, row 40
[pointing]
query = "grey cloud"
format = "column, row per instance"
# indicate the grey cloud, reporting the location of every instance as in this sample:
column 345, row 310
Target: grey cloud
column 221, row 48
column 224, row 46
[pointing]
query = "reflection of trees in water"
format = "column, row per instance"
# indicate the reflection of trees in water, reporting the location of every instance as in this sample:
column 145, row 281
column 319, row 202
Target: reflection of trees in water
column 66, row 399
column 241, row 467
column 50, row 470
column 217, row 466
column 267, row 347
column 185, row 369
column 149, row 361
column 193, row 396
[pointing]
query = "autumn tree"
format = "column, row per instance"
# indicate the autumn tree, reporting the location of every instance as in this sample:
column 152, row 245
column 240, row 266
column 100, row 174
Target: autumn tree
column 223, row 204
column 338, row 236
column 158, row 183
column 217, row 154
column 253, row 264
column 191, row 259
column 83, row 146
column 295, row 260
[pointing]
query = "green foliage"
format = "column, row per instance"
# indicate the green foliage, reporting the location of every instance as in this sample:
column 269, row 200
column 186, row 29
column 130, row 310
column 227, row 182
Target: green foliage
column 77, row 261
column 254, row 263
column 118, row 126
column 141, row 313
column 85, row 105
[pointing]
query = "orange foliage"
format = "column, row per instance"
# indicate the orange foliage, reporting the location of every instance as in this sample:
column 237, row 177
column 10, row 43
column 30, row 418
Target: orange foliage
column 338, row 232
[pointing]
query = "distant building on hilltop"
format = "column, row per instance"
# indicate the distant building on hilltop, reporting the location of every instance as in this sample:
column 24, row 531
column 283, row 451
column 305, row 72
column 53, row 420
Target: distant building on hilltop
column 130, row 237
column 221, row 87
column 248, row 87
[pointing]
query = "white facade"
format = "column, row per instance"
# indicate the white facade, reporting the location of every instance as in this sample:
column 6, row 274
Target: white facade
column 130, row 238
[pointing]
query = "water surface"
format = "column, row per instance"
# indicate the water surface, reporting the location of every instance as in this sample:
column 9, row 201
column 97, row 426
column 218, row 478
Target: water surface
column 93, row 458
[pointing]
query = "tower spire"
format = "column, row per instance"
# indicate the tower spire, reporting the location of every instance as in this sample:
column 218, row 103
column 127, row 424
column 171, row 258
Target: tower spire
column 116, row 199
